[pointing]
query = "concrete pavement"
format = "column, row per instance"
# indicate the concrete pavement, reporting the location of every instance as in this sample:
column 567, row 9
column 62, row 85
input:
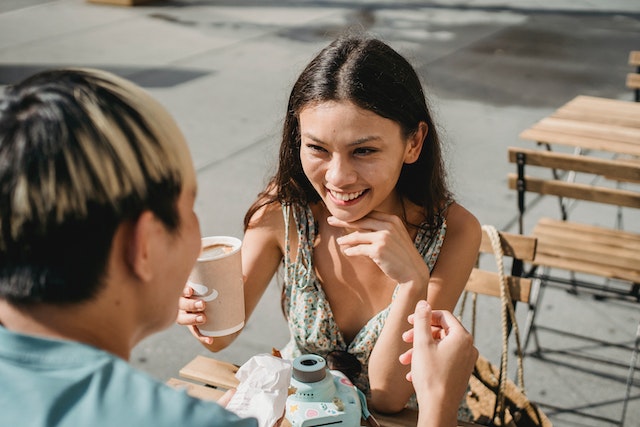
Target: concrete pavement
column 491, row 68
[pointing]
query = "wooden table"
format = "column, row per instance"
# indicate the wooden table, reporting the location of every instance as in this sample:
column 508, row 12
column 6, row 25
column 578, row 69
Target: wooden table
column 207, row 378
column 591, row 123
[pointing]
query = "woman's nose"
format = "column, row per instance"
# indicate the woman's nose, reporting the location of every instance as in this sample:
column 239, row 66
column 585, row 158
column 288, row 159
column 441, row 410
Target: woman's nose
column 340, row 172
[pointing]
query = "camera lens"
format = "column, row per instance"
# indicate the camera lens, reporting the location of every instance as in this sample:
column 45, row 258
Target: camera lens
column 309, row 368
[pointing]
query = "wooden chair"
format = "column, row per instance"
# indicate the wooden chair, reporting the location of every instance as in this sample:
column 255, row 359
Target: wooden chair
column 596, row 251
column 633, row 79
column 608, row 253
column 520, row 249
column 517, row 249
column 516, row 246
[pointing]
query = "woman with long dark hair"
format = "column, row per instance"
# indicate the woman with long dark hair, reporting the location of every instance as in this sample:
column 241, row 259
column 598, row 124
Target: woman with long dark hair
column 360, row 215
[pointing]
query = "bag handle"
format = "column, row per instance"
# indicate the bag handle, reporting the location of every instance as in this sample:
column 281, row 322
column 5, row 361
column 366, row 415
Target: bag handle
column 507, row 315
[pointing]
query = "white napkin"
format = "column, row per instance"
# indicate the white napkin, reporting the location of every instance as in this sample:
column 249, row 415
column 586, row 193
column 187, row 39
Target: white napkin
column 263, row 389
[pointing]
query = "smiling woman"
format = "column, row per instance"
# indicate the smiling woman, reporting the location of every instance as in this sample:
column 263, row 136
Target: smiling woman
column 360, row 215
column 353, row 157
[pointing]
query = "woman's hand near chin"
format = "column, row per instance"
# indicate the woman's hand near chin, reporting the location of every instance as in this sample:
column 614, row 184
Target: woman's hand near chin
column 385, row 240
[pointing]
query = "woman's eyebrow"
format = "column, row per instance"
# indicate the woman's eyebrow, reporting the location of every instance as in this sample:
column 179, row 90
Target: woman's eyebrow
column 359, row 141
column 365, row 140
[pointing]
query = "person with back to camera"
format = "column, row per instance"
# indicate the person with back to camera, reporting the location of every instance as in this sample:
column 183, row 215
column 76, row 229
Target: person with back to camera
column 97, row 238
column 361, row 217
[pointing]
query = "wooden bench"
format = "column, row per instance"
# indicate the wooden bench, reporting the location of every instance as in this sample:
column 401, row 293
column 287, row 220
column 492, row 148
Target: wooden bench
column 207, row 378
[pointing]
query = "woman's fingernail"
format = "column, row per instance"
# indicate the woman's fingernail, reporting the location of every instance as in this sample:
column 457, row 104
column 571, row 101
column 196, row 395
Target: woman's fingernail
column 199, row 319
column 200, row 304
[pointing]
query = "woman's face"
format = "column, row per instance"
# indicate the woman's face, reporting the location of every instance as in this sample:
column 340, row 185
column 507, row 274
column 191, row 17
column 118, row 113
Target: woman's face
column 353, row 157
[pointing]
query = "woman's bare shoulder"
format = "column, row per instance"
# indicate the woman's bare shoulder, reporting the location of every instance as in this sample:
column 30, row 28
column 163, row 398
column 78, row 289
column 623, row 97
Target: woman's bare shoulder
column 268, row 216
column 461, row 221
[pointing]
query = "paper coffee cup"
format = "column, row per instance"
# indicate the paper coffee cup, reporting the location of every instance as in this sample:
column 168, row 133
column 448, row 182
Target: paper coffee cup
column 217, row 279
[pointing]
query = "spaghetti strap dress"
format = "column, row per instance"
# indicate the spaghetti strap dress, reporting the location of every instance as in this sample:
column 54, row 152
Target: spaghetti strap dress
column 311, row 322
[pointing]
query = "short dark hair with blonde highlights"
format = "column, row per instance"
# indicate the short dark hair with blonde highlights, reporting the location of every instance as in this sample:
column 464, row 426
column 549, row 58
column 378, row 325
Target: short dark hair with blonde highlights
column 81, row 151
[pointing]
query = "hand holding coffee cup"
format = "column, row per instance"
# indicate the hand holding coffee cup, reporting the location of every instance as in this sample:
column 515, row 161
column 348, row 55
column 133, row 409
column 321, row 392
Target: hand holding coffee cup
column 216, row 279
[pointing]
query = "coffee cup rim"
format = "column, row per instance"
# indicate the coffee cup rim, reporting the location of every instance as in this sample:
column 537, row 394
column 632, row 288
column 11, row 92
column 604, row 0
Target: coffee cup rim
column 227, row 240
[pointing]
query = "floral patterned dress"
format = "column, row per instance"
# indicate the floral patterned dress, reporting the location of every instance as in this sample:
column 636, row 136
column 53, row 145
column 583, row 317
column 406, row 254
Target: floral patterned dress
column 311, row 322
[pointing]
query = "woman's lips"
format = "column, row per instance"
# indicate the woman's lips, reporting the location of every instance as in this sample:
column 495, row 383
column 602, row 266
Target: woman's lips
column 345, row 198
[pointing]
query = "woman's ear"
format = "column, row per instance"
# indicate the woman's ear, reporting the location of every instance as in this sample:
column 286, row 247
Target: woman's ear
column 140, row 247
column 415, row 143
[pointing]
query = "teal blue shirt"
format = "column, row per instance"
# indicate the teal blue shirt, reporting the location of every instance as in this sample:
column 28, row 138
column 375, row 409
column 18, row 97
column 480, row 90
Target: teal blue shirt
column 47, row 383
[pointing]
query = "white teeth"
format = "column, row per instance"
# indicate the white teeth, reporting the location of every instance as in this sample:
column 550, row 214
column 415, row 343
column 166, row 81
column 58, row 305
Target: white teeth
column 345, row 197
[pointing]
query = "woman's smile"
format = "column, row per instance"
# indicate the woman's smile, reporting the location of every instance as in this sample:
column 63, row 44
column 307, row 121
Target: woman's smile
column 344, row 198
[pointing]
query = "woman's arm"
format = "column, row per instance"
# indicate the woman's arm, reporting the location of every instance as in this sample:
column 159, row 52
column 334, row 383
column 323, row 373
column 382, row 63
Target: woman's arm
column 261, row 255
column 457, row 258
column 389, row 391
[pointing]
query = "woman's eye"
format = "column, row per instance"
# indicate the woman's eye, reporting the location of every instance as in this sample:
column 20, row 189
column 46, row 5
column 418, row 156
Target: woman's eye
column 364, row 151
column 314, row 147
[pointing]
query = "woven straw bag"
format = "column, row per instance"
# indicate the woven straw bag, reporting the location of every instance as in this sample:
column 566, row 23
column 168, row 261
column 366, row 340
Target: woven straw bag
column 493, row 399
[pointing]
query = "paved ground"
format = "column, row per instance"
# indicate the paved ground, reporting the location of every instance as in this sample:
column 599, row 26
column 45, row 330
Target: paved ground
column 224, row 69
